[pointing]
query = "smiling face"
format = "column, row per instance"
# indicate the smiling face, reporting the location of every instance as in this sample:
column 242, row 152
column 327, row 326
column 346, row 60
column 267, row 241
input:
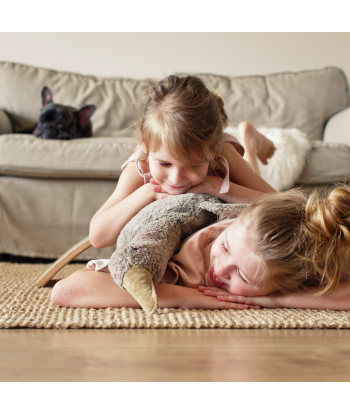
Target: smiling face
column 172, row 175
column 234, row 266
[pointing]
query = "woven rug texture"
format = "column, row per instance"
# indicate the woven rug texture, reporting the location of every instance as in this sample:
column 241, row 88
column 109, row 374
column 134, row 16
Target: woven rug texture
column 22, row 304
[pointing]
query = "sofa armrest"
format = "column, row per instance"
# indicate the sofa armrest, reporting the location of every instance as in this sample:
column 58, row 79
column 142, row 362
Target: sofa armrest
column 337, row 129
column 5, row 123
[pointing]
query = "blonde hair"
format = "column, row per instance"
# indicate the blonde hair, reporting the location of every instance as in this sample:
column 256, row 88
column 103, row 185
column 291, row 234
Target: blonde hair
column 301, row 241
column 186, row 118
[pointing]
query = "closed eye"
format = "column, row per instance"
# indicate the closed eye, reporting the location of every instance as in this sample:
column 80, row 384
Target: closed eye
column 165, row 164
column 240, row 276
column 224, row 247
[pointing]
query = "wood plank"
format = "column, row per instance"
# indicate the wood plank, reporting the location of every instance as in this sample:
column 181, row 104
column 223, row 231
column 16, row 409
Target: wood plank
column 63, row 260
column 174, row 355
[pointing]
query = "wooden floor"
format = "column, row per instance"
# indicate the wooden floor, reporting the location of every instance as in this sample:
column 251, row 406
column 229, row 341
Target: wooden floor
column 174, row 355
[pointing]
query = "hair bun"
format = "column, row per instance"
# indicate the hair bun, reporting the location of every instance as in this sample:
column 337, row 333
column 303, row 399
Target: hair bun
column 330, row 216
column 164, row 87
column 220, row 104
column 327, row 223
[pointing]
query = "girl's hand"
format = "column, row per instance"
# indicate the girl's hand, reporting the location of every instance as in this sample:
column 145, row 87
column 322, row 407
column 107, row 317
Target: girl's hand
column 210, row 185
column 192, row 298
column 274, row 300
column 158, row 192
column 339, row 299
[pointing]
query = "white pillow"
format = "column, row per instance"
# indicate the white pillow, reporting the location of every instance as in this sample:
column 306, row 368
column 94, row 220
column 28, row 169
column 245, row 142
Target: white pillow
column 286, row 165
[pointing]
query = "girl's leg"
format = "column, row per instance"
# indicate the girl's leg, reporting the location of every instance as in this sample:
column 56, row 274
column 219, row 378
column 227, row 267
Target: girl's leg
column 256, row 145
column 91, row 289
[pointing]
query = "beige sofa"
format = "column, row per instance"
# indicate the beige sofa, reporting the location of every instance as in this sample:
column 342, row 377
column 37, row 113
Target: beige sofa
column 50, row 189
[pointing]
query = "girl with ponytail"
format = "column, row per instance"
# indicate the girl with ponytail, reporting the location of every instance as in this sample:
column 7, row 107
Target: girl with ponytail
column 283, row 251
column 183, row 149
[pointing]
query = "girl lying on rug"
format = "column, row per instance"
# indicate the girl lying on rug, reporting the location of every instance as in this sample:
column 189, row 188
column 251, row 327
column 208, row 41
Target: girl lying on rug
column 283, row 250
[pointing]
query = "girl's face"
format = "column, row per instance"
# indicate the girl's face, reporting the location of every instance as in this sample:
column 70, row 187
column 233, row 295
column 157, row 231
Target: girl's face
column 173, row 175
column 233, row 264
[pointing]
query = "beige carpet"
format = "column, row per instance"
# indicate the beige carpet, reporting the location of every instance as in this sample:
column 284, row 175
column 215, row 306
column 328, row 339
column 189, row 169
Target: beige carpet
column 22, row 304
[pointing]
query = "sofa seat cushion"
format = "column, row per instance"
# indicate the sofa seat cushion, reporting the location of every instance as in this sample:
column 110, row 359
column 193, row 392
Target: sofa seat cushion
column 98, row 158
column 326, row 163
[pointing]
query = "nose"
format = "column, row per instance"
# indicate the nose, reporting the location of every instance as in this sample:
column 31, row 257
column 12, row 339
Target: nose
column 176, row 176
column 222, row 270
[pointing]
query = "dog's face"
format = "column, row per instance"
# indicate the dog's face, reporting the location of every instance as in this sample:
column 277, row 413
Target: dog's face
column 62, row 122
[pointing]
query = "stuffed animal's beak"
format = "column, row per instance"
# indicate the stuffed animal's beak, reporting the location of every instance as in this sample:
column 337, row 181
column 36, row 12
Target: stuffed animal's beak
column 138, row 282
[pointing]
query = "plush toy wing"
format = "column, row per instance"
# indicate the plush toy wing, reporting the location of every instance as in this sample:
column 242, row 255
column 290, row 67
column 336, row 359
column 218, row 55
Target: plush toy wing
column 221, row 210
column 154, row 235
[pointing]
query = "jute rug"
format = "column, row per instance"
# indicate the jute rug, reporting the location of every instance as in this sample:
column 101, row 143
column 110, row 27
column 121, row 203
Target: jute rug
column 22, row 304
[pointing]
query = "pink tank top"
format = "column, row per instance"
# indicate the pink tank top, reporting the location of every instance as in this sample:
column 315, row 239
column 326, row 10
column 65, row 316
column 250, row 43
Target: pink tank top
column 226, row 138
column 190, row 265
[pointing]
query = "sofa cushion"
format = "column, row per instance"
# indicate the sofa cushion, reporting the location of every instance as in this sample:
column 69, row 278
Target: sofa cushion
column 116, row 99
column 5, row 123
column 28, row 156
column 326, row 163
column 102, row 157
column 304, row 100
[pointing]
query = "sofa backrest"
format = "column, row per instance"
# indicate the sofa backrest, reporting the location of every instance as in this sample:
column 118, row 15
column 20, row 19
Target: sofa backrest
column 304, row 100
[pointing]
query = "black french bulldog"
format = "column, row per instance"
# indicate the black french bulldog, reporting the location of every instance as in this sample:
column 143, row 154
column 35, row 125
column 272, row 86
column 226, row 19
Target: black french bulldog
column 61, row 122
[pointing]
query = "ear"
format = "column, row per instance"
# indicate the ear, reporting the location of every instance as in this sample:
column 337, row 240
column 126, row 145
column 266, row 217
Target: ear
column 85, row 113
column 46, row 96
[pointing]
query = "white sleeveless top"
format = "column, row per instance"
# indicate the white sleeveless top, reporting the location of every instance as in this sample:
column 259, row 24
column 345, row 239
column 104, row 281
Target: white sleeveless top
column 226, row 138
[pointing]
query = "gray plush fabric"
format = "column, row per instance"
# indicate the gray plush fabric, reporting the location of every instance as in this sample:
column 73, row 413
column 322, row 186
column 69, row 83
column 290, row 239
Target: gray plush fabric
column 154, row 235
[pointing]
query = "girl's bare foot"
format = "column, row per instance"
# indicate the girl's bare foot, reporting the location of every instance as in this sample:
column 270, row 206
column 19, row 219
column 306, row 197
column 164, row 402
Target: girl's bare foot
column 256, row 144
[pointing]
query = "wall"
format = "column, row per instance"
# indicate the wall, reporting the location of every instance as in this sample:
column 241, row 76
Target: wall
column 141, row 55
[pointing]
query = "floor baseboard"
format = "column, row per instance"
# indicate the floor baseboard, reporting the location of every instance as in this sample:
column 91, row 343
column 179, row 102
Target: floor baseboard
column 29, row 260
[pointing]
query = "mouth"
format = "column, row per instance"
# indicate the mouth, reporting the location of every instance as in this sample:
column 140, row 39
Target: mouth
column 177, row 187
column 215, row 279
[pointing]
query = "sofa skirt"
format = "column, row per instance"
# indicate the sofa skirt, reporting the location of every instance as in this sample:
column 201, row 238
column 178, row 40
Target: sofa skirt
column 45, row 217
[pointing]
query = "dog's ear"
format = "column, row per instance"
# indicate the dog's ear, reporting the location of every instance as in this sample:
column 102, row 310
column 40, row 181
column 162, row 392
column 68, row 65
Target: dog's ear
column 46, row 96
column 85, row 113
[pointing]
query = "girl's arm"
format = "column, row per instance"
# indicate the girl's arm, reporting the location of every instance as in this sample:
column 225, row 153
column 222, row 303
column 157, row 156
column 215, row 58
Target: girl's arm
column 246, row 185
column 306, row 299
column 129, row 197
column 236, row 194
column 90, row 289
